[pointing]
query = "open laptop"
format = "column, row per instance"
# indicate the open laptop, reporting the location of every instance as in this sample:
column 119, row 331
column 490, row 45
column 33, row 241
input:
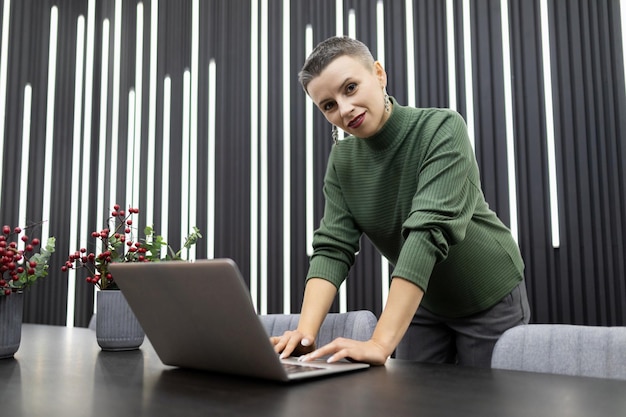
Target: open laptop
column 200, row 315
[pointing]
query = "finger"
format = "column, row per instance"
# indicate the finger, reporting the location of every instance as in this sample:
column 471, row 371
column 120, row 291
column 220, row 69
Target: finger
column 278, row 344
column 329, row 349
column 296, row 346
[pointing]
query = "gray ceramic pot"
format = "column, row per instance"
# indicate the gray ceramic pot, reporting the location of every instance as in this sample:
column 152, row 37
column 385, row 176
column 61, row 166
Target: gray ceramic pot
column 117, row 327
column 11, row 311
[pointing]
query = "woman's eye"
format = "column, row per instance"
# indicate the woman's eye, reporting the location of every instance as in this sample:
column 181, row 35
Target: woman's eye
column 328, row 106
column 351, row 87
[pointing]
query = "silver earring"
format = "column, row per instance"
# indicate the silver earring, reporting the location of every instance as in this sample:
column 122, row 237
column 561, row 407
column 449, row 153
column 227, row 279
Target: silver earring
column 387, row 101
column 335, row 134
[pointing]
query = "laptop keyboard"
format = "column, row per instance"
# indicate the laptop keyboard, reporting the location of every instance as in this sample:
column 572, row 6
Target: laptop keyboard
column 293, row 369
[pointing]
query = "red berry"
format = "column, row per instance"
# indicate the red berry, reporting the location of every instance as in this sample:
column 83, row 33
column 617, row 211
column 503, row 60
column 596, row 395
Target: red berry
column 24, row 238
column 17, row 230
column 31, row 271
column 95, row 234
column 6, row 230
column 7, row 292
column 29, row 248
column 35, row 242
column 116, row 207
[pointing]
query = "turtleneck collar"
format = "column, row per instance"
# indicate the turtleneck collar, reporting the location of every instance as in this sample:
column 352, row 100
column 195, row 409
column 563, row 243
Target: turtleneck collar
column 392, row 131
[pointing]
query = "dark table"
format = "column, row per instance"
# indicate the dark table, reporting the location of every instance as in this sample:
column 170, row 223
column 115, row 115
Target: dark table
column 60, row 371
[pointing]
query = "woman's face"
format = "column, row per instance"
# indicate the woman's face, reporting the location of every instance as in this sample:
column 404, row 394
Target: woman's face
column 351, row 96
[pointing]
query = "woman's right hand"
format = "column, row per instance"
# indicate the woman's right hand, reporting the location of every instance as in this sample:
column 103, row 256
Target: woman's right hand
column 293, row 343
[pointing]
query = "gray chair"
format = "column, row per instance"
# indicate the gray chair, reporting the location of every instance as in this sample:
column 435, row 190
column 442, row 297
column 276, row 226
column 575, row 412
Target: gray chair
column 358, row 325
column 563, row 349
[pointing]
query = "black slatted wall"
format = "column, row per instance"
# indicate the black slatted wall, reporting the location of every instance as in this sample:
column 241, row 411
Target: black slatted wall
column 579, row 279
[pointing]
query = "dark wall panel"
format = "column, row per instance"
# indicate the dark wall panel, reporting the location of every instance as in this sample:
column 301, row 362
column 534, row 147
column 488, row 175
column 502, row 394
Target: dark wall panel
column 581, row 280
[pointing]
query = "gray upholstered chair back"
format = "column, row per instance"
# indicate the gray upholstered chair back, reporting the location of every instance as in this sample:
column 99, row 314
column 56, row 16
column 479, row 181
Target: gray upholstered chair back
column 358, row 325
column 563, row 349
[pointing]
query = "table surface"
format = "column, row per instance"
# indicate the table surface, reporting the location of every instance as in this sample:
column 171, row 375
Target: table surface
column 60, row 371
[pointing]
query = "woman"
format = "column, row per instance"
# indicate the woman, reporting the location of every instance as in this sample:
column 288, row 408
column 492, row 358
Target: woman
column 408, row 179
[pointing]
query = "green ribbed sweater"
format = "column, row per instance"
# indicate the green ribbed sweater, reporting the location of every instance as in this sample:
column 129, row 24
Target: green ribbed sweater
column 414, row 190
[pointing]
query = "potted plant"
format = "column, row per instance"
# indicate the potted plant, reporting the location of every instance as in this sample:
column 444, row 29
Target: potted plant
column 21, row 265
column 116, row 326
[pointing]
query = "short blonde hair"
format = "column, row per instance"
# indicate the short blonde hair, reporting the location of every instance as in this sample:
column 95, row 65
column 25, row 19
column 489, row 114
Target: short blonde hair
column 329, row 50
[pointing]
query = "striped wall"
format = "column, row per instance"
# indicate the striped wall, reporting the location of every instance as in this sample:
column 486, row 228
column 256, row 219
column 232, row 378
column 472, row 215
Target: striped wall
column 191, row 110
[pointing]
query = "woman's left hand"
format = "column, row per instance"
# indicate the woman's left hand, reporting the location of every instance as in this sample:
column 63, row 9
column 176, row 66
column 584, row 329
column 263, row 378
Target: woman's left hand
column 353, row 350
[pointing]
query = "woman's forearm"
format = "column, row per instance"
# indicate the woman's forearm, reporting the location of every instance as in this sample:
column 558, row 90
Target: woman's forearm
column 404, row 299
column 319, row 294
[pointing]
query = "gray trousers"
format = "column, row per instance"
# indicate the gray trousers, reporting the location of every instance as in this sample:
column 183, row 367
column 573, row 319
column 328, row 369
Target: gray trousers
column 466, row 341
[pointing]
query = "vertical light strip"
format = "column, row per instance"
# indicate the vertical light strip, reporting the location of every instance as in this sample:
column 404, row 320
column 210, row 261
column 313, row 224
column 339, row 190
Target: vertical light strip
column 52, row 71
column 380, row 38
column 193, row 128
column 263, row 154
column 410, row 55
column 451, row 54
column 4, row 63
column 351, row 23
column 132, row 170
column 24, row 165
column 287, row 78
column 380, row 32
column 102, row 136
column 115, row 117
column 343, row 291
column 104, row 90
column 83, row 232
column 339, row 18
column 165, row 163
column 309, row 152
column 185, row 174
column 76, row 198
column 508, row 110
column 547, row 81
column 254, row 151
column 623, row 13
column 137, row 124
column 212, row 172
column 152, row 101
column 469, row 75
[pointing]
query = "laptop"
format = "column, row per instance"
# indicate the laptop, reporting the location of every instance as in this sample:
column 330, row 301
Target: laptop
column 200, row 315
